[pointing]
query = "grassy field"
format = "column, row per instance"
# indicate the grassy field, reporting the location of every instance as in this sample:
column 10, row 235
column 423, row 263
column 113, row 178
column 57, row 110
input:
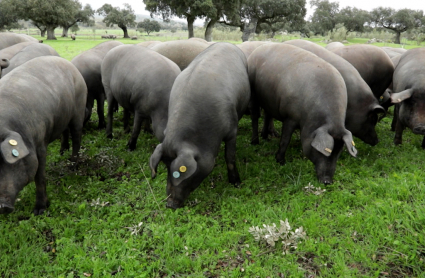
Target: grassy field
column 108, row 218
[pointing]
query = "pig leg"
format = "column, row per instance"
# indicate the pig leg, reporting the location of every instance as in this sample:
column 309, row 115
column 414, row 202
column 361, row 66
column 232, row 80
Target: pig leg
column 101, row 110
column 288, row 127
column 137, row 126
column 423, row 143
column 395, row 116
column 230, row 156
column 268, row 127
column 147, row 126
column 255, row 114
column 111, row 104
column 126, row 121
column 398, row 138
column 64, row 141
column 76, row 129
column 89, row 106
column 41, row 201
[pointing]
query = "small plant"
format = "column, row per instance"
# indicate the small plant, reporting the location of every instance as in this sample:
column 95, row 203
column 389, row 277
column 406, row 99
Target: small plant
column 314, row 190
column 135, row 230
column 271, row 234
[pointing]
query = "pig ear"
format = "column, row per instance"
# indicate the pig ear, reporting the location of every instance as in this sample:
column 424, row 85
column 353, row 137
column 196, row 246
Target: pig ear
column 155, row 159
column 349, row 142
column 380, row 111
column 399, row 97
column 182, row 168
column 13, row 148
column 323, row 142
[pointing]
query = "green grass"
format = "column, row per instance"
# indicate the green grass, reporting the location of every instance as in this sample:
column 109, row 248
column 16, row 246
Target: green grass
column 368, row 223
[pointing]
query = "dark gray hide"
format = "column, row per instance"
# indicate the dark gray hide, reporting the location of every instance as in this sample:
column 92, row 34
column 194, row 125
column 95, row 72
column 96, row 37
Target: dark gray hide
column 30, row 52
column 10, row 51
column 89, row 63
column 373, row 64
column 181, row 52
column 140, row 80
column 363, row 107
column 302, row 91
column 9, row 39
column 409, row 94
column 206, row 103
column 40, row 100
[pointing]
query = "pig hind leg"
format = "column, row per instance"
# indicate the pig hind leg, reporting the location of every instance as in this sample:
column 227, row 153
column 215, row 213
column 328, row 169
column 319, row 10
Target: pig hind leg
column 230, row 156
column 137, row 126
column 76, row 130
column 288, row 127
column 112, row 102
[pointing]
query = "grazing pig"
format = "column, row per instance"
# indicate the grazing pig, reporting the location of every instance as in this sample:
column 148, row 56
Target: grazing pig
column 249, row 46
column 144, row 88
column 409, row 94
column 88, row 63
column 207, row 100
column 10, row 51
column 9, row 39
column 40, row 100
column 149, row 44
column 181, row 52
column 30, row 52
column 362, row 107
column 373, row 64
column 73, row 37
column 334, row 45
column 302, row 91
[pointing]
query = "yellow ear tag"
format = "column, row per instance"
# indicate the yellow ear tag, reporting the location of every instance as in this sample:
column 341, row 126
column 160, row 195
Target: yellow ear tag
column 352, row 143
column 183, row 169
column 13, row 142
column 328, row 150
column 381, row 97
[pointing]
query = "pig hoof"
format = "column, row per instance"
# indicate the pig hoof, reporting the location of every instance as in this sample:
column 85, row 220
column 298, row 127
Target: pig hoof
column 131, row 147
column 281, row 161
column 110, row 136
column 101, row 126
column 6, row 209
column 255, row 142
column 236, row 181
column 397, row 142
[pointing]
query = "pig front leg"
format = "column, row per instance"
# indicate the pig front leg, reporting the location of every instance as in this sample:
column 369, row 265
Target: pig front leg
column 288, row 128
column 230, row 156
column 64, row 141
column 399, row 128
column 41, row 201
column 268, row 127
column 255, row 114
column 395, row 116
column 423, row 143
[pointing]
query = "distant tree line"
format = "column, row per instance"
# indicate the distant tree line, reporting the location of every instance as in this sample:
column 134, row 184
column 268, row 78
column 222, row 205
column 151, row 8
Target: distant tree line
column 327, row 15
column 249, row 16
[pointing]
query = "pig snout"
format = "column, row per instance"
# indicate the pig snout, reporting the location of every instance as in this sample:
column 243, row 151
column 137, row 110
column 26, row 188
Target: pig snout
column 420, row 129
column 174, row 204
column 5, row 206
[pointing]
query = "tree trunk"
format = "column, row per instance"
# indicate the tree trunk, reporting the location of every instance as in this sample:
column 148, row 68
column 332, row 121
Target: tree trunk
column 397, row 37
column 249, row 29
column 42, row 33
column 190, row 20
column 65, row 32
column 124, row 28
column 209, row 30
column 51, row 32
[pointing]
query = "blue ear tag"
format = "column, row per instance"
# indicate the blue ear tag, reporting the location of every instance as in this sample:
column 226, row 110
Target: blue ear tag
column 176, row 174
column 15, row 153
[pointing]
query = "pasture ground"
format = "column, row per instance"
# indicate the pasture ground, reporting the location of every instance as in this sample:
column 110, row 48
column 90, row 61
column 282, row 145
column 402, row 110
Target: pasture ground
column 108, row 217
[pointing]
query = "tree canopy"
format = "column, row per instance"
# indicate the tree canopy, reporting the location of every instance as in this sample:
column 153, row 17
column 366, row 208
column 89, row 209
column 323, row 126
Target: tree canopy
column 354, row 19
column 79, row 14
column 397, row 21
column 149, row 26
column 47, row 13
column 123, row 18
column 324, row 17
column 8, row 15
